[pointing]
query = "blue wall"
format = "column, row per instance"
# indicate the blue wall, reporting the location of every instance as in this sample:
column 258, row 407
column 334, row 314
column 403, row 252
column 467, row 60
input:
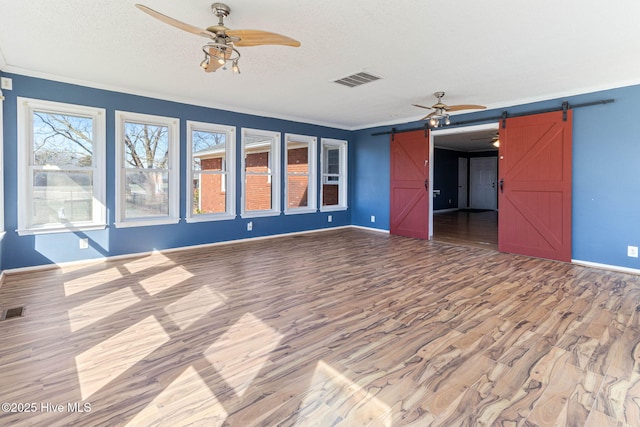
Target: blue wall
column 606, row 165
column 21, row 251
column 606, row 161
column 445, row 178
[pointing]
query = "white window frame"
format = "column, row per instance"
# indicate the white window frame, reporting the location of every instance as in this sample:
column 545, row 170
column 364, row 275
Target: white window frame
column 273, row 174
column 342, row 145
column 173, row 125
column 26, row 108
column 228, row 176
column 312, row 143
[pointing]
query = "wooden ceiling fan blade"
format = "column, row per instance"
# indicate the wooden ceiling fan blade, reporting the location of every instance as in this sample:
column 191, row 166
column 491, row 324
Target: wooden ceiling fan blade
column 422, row 106
column 175, row 23
column 214, row 53
column 464, row 107
column 259, row 38
column 212, row 66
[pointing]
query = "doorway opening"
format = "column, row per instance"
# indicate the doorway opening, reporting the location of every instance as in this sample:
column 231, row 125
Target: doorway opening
column 464, row 192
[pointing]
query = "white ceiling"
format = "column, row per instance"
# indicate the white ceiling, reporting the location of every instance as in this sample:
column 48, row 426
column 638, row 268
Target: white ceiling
column 492, row 52
column 467, row 141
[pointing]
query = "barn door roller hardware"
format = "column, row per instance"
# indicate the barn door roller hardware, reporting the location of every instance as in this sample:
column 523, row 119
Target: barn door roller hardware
column 564, row 108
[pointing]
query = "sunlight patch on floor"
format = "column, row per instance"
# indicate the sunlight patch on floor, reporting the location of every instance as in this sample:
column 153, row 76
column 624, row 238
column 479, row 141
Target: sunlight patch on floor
column 165, row 280
column 104, row 362
column 191, row 307
column 242, row 351
column 79, row 266
column 101, row 308
column 86, row 282
column 333, row 399
column 186, row 401
column 156, row 259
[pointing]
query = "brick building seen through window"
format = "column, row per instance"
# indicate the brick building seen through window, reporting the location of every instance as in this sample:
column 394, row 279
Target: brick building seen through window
column 258, row 187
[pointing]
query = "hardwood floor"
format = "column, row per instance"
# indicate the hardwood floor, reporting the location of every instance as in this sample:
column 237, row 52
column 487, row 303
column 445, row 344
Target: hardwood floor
column 465, row 227
column 337, row 328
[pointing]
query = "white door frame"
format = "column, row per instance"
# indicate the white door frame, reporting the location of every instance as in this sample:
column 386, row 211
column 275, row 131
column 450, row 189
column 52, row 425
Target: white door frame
column 448, row 131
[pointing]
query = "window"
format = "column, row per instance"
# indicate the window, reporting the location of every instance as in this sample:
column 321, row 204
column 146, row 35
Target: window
column 300, row 187
column 260, row 173
column 334, row 174
column 147, row 165
column 61, row 167
column 211, row 185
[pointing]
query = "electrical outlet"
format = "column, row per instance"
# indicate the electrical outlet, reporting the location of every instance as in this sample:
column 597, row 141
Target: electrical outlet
column 632, row 251
column 373, row 218
column 6, row 83
column 329, row 218
column 83, row 243
column 250, row 226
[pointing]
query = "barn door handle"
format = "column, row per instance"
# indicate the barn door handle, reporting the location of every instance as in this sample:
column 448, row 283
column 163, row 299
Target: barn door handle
column 502, row 185
column 426, row 184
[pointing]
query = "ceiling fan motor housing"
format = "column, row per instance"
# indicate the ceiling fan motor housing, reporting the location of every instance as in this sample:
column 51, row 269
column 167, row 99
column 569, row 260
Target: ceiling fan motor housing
column 220, row 10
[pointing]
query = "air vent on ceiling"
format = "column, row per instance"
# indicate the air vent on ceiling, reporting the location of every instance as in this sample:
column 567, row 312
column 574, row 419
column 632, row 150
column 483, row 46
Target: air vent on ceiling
column 357, row 79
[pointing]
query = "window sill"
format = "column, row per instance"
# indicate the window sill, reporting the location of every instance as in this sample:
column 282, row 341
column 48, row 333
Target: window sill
column 63, row 229
column 333, row 208
column 210, row 217
column 146, row 223
column 258, row 214
column 300, row 211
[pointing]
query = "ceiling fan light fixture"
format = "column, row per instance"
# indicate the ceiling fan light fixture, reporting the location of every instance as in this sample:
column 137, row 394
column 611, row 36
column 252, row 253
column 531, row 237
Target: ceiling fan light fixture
column 205, row 62
column 235, row 68
column 447, row 120
column 222, row 53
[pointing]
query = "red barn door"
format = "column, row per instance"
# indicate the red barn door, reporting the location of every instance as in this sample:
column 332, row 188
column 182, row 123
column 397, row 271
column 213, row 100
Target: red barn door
column 409, row 207
column 534, row 188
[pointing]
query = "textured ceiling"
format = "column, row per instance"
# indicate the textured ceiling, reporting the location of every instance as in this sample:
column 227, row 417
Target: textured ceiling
column 493, row 52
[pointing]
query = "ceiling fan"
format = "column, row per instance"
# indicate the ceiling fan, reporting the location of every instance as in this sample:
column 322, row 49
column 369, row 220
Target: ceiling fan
column 495, row 139
column 440, row 115
column 223, row 41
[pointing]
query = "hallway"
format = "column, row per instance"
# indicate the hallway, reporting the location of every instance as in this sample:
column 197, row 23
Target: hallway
column 467, row 227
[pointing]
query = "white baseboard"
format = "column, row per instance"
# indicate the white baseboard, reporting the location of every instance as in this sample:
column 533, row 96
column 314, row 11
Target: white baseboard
column 10, row 271
column 606, row 266
column 161, row 251
column 378, row 230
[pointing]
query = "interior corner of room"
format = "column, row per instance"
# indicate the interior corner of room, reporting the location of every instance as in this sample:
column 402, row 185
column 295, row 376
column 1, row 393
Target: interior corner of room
column 352, row 213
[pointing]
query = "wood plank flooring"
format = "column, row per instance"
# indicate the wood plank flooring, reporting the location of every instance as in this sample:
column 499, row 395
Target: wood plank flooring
column 337, row 328
column 465, row 227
